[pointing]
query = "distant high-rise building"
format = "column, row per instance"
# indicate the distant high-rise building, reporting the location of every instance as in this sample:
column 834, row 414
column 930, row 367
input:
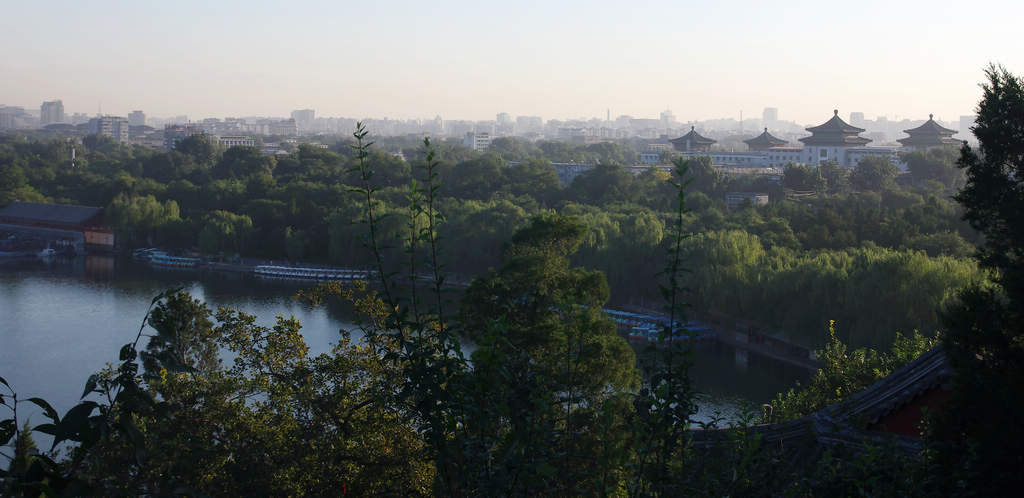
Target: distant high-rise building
column 114, row 127
column 287, row 127
column 51, row 112
column 176, row 133
column 477, row 141
column 137, row 118
column 966, row 122
column 529, row 124
column 503, row 118
column 304, row 119
column 857, row 118
column 9, row 117
column 770, row 116
column 229, row 141
column 882, row 125
column 667, row 118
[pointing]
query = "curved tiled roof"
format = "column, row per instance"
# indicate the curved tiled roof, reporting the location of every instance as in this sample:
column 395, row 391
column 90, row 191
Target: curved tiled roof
column 835, row 132
column 694, row 138
column 50, row 213
column 846, row 423
column 928, row 371
column 929, row 133
column 840, row 140
column 835, row 125
column 930, row 127
column 765, row 140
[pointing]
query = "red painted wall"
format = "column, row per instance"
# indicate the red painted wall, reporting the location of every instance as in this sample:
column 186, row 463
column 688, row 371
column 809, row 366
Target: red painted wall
column 905, row 419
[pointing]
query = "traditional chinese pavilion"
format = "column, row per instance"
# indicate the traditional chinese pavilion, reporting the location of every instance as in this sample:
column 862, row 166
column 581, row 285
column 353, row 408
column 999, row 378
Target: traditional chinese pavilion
column 692, row 142
column 928, row 135
column 831, row 141
column 765, row 141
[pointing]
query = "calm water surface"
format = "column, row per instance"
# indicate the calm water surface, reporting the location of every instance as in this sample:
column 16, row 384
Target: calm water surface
column 63, row 320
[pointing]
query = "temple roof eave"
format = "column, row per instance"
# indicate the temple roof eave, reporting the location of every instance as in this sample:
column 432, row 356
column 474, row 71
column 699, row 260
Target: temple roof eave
column 835, row 125
column 930, row 127
column 694, row 138
column 928, row 141
column 765, row 140
column 844, row 141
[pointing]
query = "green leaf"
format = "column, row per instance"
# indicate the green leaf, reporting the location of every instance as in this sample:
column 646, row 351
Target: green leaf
column 127, row 352
column 90, row 385
column 47, row 409
column 7, row 430
column 75, row 423
column 45, row 429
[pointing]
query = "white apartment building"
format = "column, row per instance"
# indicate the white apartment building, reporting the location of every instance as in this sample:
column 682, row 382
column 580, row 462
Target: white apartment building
column 477, row 140
column 229, row 141
column 115, row 127
column 51, row 112
column 137, row 118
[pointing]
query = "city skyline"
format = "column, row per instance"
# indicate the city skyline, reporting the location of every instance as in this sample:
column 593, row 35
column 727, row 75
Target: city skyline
column 140, row 116
column 469, row 61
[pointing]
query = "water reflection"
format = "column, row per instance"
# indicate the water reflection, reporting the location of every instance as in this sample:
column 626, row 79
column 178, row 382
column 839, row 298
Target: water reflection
column 62, row 320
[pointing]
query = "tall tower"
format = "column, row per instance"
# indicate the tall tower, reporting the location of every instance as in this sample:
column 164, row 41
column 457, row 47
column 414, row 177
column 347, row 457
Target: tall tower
column 137, row 118
column 51, row 112
column 770, row 117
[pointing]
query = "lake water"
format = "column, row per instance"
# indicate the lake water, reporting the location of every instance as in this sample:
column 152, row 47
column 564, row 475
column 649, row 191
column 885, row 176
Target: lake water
column 62, row 320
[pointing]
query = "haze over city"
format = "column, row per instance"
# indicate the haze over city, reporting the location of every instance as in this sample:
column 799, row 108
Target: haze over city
column 471, row 60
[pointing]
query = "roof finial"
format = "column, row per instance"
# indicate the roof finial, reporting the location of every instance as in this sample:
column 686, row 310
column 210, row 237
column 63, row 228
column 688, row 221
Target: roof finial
column 835, row 111
column 930, row 117
column 691, row 127
column 766, row 129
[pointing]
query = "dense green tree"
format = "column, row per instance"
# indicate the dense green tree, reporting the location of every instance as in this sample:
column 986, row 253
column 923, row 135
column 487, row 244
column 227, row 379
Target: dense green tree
column 546, row 306
column 603, row 184
column 240, row 162
column 225, row 232
column 200, row 147
column 937, row 163
column 802, row 178
column 477, row 178
column 985, row 339
column 295, row 243
column 873, row 173
column 704, row 177
column 14, row 186
column 514, row 149
column 142, row 219
column 837, row 178
column 184, row 340
column 533, row 177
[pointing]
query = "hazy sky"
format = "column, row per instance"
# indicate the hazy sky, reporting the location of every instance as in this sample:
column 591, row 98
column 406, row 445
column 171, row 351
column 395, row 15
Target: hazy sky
column 471, row 60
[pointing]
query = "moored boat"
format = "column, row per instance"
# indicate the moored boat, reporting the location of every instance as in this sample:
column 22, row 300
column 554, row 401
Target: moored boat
column 144, row 253
column 304, row 273
column 164, row 260
column 652, row 334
